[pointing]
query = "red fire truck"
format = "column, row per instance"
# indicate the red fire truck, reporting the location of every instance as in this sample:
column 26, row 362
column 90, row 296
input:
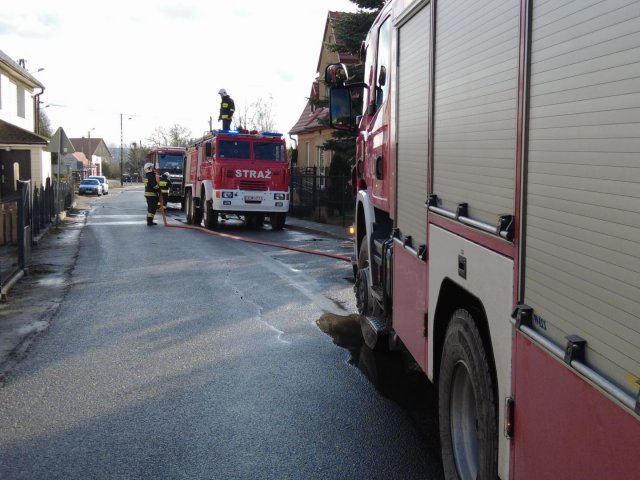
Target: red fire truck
column 169, row 159
column 498, row 224
column 237, row 172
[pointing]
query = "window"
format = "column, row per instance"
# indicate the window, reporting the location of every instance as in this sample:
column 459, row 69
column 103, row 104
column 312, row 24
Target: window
column 268, row 151
column 368, row 79
column 21, row 106
column 308, row 153
column 384, row 60
column 321, row 167
column 234, row 149
column 170, row 161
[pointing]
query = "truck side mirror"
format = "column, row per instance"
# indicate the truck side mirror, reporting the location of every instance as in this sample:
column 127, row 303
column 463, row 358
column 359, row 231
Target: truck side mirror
column 382, row 76
column 336, row 75
column 340, row 108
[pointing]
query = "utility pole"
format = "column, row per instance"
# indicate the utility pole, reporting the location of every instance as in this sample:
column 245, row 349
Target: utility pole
column 121, row 148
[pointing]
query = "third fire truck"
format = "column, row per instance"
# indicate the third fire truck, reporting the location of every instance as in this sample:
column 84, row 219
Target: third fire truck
column 169, row 160
column 237, row 172
column 498, row 224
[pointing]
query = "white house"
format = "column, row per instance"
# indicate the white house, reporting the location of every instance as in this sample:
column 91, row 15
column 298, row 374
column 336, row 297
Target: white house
column 22, row 150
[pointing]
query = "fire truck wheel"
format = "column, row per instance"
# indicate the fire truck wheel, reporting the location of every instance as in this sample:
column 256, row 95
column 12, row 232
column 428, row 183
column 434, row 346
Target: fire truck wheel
column 188, row 206
column 251, row 221
column 196, row 211
column 467, row 407
column 210, row 216
column 277, row 220
column 361, row 286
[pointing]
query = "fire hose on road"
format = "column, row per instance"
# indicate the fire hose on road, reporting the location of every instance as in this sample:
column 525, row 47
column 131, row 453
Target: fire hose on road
column 250, row 240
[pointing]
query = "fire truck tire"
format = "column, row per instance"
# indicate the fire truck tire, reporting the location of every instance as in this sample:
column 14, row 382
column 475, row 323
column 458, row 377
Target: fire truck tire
column 188, row 207
column 361, row 286
column 251, row 221
column 278, row 220
column 210, row 215
column 467, row 407
column 196, row 212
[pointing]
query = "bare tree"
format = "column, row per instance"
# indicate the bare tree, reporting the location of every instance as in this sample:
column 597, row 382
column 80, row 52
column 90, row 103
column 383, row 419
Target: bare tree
column 258, row 116
column 262, row 115
column 175, row 136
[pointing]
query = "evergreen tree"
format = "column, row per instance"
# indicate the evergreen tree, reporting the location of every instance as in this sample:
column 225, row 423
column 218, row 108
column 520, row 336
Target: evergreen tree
column 44, row 124
column 136, row 158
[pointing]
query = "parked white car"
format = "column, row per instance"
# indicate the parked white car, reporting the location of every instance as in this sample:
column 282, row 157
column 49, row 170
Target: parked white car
column 103, row 181
column 90, row 186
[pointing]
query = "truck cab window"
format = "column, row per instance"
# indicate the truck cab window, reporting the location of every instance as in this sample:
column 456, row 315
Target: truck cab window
column 368, row 78
column 383, row 61
column 268, row 151
column 234, row 149
column 170, row 162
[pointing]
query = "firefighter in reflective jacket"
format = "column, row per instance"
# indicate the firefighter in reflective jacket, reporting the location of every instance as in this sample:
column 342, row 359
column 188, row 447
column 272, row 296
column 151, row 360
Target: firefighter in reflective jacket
column 165, row 187
column 227, row 107
column 151, row 191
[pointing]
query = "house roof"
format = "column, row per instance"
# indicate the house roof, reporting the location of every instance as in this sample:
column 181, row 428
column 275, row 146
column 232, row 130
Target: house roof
column 82, row 159
column 309, row 121
column 19, row 71
column 12, row 135
column 70, row 160
column 88, row 146
column 312, row 116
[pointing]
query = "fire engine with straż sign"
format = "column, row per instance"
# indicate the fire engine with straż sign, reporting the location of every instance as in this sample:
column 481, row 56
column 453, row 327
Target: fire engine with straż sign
column 237, row 172
column 498, row 224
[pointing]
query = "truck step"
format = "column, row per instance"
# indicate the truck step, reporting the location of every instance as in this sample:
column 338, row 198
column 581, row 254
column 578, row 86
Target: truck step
column 374, row 330
column 378, row 243
column 377, row 293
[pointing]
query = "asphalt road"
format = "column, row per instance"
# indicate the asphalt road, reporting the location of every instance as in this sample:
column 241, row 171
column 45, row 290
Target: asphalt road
column 178, row 354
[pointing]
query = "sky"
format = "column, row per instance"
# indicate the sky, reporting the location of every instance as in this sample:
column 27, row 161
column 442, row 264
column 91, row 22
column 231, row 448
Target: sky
column 161, row 63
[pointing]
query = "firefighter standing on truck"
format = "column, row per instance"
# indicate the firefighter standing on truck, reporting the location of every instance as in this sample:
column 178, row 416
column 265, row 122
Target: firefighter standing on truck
column 151, row 191
column 227, row 107
column 165, row 187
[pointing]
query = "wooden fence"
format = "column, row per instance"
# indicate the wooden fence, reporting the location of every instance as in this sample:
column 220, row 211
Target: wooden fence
column 23, row 217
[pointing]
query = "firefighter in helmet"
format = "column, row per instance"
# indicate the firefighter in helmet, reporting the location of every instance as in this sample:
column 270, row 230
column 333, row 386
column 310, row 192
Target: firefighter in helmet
column 151, row 191
column 227, row 107
column 165, row 187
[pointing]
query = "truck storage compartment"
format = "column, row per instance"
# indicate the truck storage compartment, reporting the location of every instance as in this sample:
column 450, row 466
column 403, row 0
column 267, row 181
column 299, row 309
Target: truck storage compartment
column 582, row 257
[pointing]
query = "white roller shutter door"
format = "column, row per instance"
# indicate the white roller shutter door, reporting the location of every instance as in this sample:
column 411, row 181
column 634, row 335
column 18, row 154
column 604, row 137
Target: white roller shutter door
column 476, row 88
column 413, row 126
column 582, row 260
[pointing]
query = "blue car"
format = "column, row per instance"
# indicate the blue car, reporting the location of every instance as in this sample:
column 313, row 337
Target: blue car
column 90, row 186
